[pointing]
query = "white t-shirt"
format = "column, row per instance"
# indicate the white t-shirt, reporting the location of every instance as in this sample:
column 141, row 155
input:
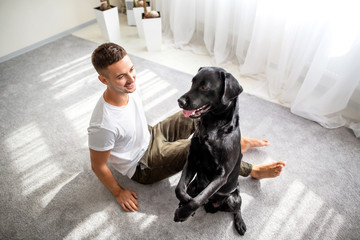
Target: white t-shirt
column 122, row 129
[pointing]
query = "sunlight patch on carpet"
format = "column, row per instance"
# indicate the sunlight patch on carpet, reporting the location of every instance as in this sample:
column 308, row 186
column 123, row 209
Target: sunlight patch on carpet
column 48, row 196
column 73, row 87
column 65, row 68
column 96, row 222
column 143, row 220
column 155, row 91
column 79, row 114
column 173, row 180
column 29, row 154
column 298, row 209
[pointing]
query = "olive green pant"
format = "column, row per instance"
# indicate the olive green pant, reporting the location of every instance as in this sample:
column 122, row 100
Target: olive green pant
column 168, row 150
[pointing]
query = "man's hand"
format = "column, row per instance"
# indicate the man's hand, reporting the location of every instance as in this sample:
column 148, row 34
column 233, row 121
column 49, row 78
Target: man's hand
column 127, row 200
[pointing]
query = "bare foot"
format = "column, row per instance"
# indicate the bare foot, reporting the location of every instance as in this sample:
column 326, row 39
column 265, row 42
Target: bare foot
column 267, row 170
column 247, row 143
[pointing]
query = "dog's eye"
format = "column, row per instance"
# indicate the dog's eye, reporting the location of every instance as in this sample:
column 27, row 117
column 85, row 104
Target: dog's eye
column 204, row 88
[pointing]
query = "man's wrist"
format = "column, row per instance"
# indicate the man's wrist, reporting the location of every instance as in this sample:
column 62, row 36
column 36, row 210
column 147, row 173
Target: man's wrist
column 117, row 191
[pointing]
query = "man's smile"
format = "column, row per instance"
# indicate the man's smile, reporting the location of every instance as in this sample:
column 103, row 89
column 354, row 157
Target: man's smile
column 130, row 85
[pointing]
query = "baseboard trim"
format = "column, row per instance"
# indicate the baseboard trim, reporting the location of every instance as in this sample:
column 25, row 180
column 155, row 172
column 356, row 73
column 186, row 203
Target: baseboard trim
column 46, row 41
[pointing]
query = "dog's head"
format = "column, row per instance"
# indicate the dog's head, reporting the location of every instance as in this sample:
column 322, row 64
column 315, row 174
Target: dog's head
column 212, row 89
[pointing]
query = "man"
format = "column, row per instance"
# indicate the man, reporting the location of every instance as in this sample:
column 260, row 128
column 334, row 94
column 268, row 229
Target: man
column 119, row 134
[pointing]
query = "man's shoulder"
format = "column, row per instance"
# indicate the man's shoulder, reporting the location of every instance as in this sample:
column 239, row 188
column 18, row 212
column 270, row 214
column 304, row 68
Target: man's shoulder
column 98, row 111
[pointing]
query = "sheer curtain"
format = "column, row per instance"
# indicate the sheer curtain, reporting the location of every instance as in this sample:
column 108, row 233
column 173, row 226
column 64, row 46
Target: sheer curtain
column 306, row 54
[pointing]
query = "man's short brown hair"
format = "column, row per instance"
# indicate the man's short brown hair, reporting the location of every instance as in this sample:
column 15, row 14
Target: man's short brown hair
column 105, row 55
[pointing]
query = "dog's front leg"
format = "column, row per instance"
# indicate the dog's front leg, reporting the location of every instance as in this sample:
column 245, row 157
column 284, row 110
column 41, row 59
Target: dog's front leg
column 185, row 211
column 212, row 188
column 187, row 175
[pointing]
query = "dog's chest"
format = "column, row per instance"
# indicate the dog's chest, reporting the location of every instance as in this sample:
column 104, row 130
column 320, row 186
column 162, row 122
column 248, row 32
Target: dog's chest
column 216, row 138
column 207, row 139
column 207, row 147
column 215, row 145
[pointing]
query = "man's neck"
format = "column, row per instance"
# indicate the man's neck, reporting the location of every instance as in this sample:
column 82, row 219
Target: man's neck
column 116, row 99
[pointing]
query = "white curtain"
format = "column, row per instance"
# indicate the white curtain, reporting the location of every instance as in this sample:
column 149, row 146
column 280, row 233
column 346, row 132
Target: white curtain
column 305, row 53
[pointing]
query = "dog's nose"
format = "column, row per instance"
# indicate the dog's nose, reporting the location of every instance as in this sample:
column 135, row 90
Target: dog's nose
column 182, row 101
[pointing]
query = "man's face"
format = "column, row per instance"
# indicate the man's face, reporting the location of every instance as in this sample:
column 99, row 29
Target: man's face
column 120, row 76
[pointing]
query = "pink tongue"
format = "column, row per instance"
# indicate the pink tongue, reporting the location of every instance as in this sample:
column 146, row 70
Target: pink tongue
column 188, row 113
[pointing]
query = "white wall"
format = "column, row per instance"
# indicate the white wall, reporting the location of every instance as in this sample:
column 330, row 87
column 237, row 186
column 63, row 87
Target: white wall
column 27, row 22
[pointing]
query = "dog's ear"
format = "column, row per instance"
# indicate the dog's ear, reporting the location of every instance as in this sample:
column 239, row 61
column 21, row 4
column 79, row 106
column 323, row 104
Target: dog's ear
column 232, row 88
column 200, row 69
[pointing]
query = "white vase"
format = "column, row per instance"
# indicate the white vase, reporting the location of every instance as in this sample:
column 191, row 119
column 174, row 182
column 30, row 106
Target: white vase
column 130, row 12
column 109, row 24
column 152, row 33
column 138, row 11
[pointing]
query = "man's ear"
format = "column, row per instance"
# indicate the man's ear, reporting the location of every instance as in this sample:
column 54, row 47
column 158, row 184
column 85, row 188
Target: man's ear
column 232, row 88
column 103, row 79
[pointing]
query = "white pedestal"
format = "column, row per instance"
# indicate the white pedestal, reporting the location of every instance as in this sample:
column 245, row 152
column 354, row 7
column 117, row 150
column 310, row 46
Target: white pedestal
column 138, row 11
column 109, row 24
column 152, row 33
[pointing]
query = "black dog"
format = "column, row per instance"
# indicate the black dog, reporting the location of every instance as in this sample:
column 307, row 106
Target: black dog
column 210, row 175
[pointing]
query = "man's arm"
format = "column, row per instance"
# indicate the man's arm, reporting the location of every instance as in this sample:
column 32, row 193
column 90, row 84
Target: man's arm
column 126, row 198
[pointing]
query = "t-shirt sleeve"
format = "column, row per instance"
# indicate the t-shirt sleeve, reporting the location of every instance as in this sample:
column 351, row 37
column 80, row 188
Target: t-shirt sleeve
column 100, row 139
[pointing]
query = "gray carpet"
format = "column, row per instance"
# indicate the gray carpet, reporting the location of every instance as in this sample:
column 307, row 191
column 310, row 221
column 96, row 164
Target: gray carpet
column 48, row 190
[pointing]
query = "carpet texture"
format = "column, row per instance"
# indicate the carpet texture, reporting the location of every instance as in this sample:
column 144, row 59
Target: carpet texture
column 48, row 190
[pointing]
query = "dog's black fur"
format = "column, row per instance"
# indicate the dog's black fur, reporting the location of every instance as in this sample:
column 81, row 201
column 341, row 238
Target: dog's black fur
column 210, row 175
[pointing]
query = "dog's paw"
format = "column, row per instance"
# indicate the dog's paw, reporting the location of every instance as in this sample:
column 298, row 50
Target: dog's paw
column 183, row 213
column 180, row 216
column 239, row 224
